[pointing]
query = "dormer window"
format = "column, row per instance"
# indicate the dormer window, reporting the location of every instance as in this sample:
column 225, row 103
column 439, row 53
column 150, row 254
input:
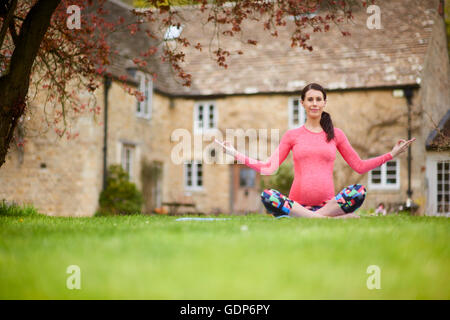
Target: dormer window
column 144, row 107
column 173, row 32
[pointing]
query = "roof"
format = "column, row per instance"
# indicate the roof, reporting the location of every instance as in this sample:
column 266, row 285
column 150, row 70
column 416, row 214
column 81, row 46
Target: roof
column 439, row 138
column 393, row 56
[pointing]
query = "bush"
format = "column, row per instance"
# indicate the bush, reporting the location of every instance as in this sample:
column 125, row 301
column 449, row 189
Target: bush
column 13, row 209
column 121, row 197
column 282, row 180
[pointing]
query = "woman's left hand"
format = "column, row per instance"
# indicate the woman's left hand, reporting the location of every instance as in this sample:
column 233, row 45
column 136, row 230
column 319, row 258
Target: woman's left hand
column 401, row 146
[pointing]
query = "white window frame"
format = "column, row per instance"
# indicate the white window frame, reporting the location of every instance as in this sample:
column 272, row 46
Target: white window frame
column 301, row 113
column 123, row 159
column 384, row 185
column 144, row 108
column 194, row 176
column 202, row 128
column 431, row 176
column 173, row 32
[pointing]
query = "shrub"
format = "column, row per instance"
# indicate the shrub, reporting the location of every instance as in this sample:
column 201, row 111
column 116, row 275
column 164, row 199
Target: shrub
column 282, row 180
column 121, row 197
column 13, row 209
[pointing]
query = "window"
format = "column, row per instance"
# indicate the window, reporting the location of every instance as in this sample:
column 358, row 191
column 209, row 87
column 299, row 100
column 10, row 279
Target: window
column 127, row 159
column 173, row 32
column 443, row 187
column 247, row 177
column 144, row 108
column 297, row 114
column 386, row 176
column 193, row 173
column 205, row 117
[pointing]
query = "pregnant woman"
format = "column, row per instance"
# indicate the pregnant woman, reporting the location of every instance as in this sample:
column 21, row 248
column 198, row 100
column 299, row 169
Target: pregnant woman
column 314, row 150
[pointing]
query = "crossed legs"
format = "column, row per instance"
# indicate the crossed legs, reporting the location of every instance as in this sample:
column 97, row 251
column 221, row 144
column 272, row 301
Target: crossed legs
column 330, row 210
column 341, row 206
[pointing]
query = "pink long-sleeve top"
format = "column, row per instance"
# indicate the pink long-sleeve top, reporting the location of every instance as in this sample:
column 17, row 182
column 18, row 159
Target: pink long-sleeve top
column 313, row 163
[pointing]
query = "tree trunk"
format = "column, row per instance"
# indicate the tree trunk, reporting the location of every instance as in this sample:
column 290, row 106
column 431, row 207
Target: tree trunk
column 14, row 85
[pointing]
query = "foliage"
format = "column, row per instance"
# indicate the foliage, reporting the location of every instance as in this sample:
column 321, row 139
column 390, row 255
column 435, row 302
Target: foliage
column 282, row 180
column 13, row 209
column 121, row 197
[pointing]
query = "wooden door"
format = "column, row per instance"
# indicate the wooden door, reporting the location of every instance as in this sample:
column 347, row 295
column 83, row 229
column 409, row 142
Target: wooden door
column 246, row 194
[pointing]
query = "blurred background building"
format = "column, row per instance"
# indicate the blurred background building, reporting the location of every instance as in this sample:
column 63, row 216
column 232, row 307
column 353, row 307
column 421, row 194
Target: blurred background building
column 383, row 85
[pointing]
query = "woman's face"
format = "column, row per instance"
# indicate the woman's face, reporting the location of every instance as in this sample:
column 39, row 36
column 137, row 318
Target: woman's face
column 314, row 103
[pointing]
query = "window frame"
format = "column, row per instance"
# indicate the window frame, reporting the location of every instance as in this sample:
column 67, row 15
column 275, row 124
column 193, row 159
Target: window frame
column 144, row 108
column 194, row 176
column 444, row 182
column 123, row 154
column 174, row 34
column 196, row 128
column 383, row 185
column 432, row 160
column 301, row 113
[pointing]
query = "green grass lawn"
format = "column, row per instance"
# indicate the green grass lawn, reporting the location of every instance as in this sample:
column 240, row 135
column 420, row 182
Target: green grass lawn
column 246, row 257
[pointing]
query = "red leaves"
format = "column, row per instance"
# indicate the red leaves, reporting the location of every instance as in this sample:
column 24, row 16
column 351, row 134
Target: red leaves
column 83, row 55
column 133, row 28
column 140, row 62
column 221, row 57
column 100, row 70
column 139, row 96
column 149, row 52
column 198, row 46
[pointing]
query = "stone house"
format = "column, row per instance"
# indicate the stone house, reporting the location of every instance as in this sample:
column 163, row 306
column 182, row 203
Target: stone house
column 383, row 85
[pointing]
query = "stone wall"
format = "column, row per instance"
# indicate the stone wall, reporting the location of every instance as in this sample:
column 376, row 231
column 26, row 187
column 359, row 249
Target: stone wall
column 63, row 177
column 59, row 176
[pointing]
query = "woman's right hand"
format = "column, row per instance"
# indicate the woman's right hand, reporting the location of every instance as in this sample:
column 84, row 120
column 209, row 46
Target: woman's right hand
column 227, row 147
column 401, row 146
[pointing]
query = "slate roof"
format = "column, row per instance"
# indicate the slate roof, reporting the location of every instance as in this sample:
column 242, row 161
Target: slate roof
column 436, row 141
column 390, row 57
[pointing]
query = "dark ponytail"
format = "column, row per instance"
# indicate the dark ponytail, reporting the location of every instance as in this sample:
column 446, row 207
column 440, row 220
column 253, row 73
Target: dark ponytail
column 327, row 125
column 325, row 120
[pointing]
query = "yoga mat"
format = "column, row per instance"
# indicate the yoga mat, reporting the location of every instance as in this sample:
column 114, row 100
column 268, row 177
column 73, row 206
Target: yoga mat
column 201, row 219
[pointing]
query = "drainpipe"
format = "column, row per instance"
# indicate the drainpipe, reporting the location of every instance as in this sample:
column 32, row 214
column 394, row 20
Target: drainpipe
column 409, row 96
column 106, row 86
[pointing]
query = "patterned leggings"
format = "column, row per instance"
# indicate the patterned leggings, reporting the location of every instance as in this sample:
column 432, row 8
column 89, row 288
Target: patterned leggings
column 349, row 199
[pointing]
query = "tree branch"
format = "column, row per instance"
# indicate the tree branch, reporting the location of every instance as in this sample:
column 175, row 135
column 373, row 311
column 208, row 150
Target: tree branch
column 30, row 37
column 6, row 22
column 12, row 31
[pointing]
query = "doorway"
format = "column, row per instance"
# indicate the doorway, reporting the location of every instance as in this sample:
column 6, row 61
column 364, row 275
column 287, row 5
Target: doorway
column 246, row 194
column 152, row 185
